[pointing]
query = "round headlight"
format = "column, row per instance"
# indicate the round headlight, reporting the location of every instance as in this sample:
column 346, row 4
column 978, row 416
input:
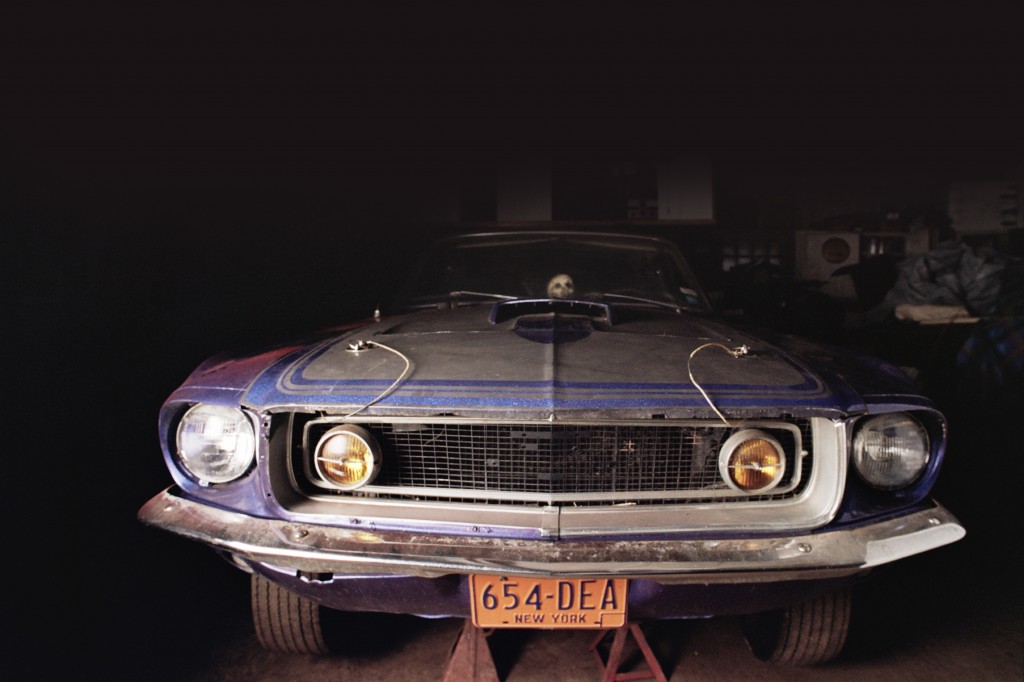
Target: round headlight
column 890, row 451
column 347, row 457
column 216, row 444
column 751, row 461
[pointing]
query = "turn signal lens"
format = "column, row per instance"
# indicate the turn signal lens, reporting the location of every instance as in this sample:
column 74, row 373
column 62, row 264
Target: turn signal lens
column 751, row 461
column 347, row 457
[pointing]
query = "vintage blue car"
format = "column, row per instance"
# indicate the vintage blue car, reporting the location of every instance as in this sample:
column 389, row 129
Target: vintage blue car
column 552, row 429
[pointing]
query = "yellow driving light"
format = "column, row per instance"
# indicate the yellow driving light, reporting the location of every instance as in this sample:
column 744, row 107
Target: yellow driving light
column 751, row 461
column 347, row 457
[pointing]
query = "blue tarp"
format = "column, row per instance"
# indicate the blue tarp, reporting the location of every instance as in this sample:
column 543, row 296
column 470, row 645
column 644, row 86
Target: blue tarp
column 984, row 281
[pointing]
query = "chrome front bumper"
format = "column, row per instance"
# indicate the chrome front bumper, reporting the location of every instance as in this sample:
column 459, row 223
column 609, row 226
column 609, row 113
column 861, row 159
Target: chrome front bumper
column 324, row 549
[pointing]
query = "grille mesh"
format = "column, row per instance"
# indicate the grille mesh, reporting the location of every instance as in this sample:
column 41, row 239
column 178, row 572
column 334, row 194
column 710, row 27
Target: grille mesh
column 559, row 459
column 544, row 459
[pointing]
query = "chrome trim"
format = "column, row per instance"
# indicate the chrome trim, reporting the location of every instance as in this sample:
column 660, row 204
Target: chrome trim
column 314, row 548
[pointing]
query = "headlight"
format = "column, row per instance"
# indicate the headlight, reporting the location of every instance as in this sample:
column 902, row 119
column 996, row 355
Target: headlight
column 215, row 444
column 347, row 457
column 890, row 451
column 751, row 461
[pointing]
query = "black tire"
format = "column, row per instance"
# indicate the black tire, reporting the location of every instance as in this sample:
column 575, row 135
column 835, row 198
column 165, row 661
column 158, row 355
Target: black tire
column 284, row 621
column 808, row 633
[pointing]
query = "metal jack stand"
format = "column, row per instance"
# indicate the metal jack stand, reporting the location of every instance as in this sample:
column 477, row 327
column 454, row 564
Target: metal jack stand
column 610, row 668
column 470, row 659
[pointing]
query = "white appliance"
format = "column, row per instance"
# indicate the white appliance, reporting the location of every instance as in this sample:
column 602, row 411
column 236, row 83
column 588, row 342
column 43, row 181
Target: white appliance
column 985, row 207
column 819, row 254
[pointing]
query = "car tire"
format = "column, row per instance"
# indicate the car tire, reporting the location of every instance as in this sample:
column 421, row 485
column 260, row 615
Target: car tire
column 284, row 621
column 808, row 633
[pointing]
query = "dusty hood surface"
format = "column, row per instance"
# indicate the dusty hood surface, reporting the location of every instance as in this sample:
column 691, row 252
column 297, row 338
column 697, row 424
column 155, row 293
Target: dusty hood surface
column 536, row 366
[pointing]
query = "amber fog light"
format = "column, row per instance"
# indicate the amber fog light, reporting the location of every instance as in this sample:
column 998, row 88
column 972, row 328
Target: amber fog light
column 347, row 457
column 751, row 461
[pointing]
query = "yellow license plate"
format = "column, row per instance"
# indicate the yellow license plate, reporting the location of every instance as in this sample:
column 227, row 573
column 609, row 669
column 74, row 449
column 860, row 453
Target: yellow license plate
column 499, row 602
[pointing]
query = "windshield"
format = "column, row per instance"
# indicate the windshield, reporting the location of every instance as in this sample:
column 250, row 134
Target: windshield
column 613, row 268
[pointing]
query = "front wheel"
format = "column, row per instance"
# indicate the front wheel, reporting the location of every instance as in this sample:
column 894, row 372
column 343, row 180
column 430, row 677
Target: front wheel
column 808, row 633
column 284, row 621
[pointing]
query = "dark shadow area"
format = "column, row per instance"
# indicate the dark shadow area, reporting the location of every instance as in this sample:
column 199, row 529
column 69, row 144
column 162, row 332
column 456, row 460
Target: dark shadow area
column 173, row 187
column 507, row 647
column 369, row 635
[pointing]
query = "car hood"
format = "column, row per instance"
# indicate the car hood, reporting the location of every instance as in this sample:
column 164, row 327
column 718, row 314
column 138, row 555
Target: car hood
column 549, row 364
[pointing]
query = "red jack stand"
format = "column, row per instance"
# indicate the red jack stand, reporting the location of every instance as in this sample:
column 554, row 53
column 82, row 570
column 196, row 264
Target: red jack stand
column 610, row 669
column 470, row 659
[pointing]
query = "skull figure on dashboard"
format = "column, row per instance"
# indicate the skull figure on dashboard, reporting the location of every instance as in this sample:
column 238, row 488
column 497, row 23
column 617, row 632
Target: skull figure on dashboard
column 561, row 286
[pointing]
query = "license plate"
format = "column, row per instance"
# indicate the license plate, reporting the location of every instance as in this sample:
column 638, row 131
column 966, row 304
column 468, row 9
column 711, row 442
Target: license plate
column 499, row 602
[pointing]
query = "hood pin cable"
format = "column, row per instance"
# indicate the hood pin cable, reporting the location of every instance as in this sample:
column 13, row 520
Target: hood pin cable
column 359, row 346
column 737, row 352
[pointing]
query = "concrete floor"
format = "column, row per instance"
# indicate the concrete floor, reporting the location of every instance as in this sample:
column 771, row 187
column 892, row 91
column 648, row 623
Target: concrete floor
column 974, row 646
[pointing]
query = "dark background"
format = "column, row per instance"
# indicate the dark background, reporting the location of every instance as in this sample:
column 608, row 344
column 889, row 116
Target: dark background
column 177, row 181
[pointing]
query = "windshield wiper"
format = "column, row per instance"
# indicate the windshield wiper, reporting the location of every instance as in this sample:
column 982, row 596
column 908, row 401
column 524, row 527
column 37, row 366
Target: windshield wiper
column 450, row 299
column 480, row 294
column 650, row 301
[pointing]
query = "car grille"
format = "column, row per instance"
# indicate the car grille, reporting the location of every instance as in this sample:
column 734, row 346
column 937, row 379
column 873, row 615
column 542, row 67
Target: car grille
column 544, row 462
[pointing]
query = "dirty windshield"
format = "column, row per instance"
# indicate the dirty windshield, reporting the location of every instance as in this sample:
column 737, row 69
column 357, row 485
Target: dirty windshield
column 610, row 268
